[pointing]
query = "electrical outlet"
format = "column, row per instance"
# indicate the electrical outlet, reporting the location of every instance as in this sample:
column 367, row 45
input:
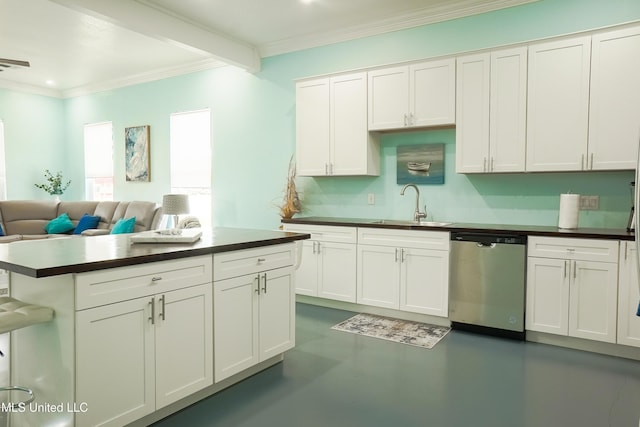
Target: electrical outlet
column 371, row 199
column 589, row 203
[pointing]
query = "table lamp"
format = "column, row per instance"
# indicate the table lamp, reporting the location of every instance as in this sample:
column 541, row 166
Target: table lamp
column 175, row 204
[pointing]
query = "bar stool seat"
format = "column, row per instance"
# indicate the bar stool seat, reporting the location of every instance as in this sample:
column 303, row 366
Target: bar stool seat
column 15, row 314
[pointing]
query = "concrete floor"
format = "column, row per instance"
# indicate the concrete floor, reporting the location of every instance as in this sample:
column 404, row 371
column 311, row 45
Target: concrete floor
column 339, row 379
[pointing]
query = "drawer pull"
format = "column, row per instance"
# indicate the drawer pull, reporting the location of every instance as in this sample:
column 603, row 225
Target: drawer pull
column 260, row 260
column 156, row 278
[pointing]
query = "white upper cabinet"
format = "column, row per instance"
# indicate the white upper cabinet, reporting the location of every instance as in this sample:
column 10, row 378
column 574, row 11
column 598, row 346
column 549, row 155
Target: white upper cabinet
column 331, row 127
column 614, row 114
column 353, row 150
column 472, row 120
column 558, row 105
column 388, row 98
column 491, row 111
column 312, row 127
column 416, row 95
column 508, row 105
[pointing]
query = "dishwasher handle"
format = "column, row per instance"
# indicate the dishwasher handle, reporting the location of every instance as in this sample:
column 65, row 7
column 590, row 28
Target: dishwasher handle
column 486, row 245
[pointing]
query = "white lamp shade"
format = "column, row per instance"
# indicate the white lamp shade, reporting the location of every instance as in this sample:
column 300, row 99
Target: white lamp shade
column 175, row 204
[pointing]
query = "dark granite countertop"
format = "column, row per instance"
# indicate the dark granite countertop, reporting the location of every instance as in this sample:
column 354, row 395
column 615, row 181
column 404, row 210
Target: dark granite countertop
column 51, row 257
column 530, row 230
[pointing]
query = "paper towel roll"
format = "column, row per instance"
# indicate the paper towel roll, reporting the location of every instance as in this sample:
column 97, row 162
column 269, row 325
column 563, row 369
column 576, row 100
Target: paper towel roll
column 569, row 211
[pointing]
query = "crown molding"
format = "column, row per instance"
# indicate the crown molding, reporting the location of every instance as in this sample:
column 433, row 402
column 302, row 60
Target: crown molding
column 146, row 77
column 32, row 89
column 418, row 18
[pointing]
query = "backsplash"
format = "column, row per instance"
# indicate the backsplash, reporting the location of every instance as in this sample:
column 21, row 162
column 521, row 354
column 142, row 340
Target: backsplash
column 519, row 198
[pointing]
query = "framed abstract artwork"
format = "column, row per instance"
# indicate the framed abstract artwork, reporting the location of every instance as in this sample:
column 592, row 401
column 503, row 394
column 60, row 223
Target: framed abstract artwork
column 420, row 164
column 137, row 141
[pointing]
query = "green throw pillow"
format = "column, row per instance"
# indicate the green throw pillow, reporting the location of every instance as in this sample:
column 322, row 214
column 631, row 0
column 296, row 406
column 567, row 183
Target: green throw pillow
column 59, row 225
column 124, row 226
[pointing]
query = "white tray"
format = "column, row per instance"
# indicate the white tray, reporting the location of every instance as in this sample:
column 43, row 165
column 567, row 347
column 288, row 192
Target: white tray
column 167, row 236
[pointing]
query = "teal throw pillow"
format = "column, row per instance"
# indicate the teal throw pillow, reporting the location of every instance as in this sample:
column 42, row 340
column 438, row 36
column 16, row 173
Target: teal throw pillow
column 86, row 222
column 59, row 225
column 124, row 226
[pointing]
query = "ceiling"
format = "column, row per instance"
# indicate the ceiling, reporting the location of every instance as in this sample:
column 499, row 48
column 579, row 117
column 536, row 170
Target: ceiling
column 82, row 46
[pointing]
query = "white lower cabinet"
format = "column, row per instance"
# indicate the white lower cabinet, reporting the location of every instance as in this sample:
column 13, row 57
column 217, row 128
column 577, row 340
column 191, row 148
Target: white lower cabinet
column 254, row 313
column 404, row 269
column 138, row 355
column 328, row 265
column 572, row 287
column 628, row 296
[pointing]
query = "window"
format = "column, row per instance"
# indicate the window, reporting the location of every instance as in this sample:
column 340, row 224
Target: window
column 98, row 161
column 3, row 168
column 190, row 134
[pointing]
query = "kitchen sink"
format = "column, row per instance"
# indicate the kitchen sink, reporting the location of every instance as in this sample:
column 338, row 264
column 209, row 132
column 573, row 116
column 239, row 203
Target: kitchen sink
column 411, row 223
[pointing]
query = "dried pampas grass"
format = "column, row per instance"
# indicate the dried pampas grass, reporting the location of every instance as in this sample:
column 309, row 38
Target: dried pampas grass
column 291, row 204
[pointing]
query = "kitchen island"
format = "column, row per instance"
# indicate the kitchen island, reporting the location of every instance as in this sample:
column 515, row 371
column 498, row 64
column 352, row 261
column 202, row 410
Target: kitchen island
column 142, row 330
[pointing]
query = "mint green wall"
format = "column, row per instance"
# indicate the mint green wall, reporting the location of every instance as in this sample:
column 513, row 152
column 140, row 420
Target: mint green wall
column 254, row 129
column 35, row 140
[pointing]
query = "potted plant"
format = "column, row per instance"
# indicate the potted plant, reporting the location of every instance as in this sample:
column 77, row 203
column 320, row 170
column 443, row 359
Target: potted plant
column 53, row 184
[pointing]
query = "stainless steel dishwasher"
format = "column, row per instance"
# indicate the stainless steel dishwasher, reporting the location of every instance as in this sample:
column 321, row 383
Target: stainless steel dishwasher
column 487, row 283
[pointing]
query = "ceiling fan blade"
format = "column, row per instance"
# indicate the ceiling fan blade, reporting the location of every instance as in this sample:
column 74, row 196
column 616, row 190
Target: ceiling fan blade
column 14, row 62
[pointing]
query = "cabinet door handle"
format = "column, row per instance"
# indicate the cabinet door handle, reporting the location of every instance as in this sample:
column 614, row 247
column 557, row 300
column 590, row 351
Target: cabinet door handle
column 162, row 312
column 396, row 255
column 319, row 246
column 491, row 168
column 405, row 119
column 264, row 283
column 257, row 289
column 402, row 258
column 591, row 167
column 152, row 303
column 484, row 164
column 575, row 267
column 626, row 251
column 156, row 278
column 411, row 119
column 314, row 247
column 326, row 169
column 565, row 268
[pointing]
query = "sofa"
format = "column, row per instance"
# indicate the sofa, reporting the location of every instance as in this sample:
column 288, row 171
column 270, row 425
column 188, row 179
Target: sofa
column 27, row 219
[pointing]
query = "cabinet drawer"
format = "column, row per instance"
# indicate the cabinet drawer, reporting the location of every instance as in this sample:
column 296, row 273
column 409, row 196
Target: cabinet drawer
column 438, row 240
column 119, row 284
column 574, row 249
column 325, row 233
column 249, row 261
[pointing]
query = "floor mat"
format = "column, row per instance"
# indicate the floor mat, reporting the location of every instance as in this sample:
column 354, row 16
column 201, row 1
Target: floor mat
column 396, row 330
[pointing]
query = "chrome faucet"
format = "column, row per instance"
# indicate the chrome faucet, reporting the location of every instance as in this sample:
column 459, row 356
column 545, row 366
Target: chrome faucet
column 417, row 215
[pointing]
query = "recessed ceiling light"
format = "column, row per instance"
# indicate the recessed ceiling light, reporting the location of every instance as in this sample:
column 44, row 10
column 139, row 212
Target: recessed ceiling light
column 50, row 83
column 307, row 1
